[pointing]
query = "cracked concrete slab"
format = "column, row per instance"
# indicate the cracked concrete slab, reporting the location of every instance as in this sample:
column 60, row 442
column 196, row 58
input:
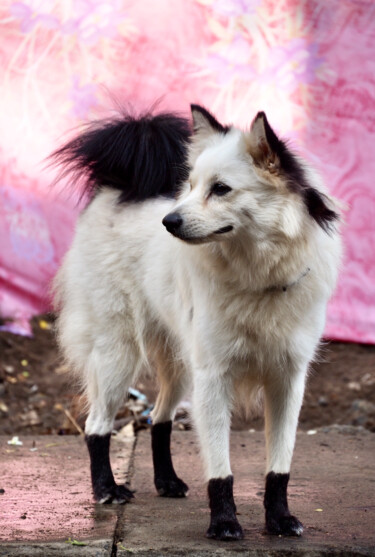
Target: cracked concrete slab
column 47, row 497
column 332, row 491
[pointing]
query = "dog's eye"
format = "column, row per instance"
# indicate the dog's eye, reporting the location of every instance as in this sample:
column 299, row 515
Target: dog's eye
column 220, row 189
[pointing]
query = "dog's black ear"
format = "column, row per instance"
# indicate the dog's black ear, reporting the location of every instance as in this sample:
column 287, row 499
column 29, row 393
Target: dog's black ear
column 204, row 122
column 272, row 154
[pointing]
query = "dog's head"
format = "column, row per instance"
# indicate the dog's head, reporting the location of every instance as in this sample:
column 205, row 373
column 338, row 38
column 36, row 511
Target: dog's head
column 244, row 183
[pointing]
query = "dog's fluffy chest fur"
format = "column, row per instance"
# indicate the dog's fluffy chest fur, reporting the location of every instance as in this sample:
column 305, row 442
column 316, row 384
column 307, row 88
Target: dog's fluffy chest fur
column 213, row 304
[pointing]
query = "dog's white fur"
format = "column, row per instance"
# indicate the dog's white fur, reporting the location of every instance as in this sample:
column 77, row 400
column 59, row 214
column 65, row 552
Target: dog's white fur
column 210, row 308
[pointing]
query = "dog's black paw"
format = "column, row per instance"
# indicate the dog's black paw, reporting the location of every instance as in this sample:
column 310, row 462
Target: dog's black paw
column 287, row 525
column 173, row 487
column 117, row 494
column 225, row 530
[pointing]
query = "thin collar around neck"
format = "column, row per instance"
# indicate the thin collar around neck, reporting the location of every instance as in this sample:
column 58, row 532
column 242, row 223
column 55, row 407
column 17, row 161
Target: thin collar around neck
column 285, row 287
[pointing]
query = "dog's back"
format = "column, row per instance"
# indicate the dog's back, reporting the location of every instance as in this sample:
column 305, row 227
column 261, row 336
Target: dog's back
column 121, row 165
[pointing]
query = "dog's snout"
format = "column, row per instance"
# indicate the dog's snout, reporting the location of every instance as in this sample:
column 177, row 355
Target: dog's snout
column 172, row 221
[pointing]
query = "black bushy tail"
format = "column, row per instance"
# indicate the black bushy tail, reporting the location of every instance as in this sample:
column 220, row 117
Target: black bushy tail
column 141, row 157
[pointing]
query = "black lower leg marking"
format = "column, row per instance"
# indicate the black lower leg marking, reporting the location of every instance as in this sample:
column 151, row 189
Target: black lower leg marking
column 278, row 518
column 103, row 484
column 224, row 524
column 166, row 481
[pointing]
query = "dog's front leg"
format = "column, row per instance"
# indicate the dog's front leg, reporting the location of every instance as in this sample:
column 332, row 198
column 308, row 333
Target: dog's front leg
column 283, row 400
column 212, row 409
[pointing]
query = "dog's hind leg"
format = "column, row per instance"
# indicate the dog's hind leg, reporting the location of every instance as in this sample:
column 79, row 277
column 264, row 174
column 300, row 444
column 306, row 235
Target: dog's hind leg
column 172, row 387
column 112, row 366
column 283, row 400
column 212, row 409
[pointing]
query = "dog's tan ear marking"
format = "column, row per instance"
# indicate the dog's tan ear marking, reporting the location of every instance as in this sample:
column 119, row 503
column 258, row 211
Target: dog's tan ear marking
column 262, row 144
column 272, row 156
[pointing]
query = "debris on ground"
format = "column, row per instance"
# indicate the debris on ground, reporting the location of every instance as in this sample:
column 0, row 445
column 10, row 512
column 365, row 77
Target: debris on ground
column 345, row 429
column 183, row 417
column 15, row 441
column 125, row 433
column 135, row 412
column 75, row 542
column 38, row 395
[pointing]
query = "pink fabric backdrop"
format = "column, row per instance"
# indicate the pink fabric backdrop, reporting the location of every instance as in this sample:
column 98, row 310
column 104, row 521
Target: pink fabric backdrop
column 310, row 64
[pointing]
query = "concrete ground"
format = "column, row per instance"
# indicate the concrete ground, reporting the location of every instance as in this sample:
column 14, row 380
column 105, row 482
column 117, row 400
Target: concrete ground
column 46, row 507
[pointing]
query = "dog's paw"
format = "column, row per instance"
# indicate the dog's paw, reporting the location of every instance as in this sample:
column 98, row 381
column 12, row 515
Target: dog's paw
column 116, row 494
column 173, row 487
column 225, row 530
column 284, row 525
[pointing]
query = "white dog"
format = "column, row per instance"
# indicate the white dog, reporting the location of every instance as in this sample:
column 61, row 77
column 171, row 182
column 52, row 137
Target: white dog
column 229, row 295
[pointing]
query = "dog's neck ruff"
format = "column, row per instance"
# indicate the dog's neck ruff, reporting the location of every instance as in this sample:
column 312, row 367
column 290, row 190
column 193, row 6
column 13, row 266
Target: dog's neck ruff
column 285, row 287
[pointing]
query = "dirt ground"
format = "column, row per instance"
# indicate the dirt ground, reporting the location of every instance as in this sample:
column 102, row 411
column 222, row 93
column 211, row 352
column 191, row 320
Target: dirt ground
column 38, row 396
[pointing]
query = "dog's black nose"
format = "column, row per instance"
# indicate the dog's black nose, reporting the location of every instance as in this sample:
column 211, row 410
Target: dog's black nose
column 172, row 221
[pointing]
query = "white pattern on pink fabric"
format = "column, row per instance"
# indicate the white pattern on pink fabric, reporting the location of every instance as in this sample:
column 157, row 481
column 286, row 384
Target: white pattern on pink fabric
column 309, row 65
